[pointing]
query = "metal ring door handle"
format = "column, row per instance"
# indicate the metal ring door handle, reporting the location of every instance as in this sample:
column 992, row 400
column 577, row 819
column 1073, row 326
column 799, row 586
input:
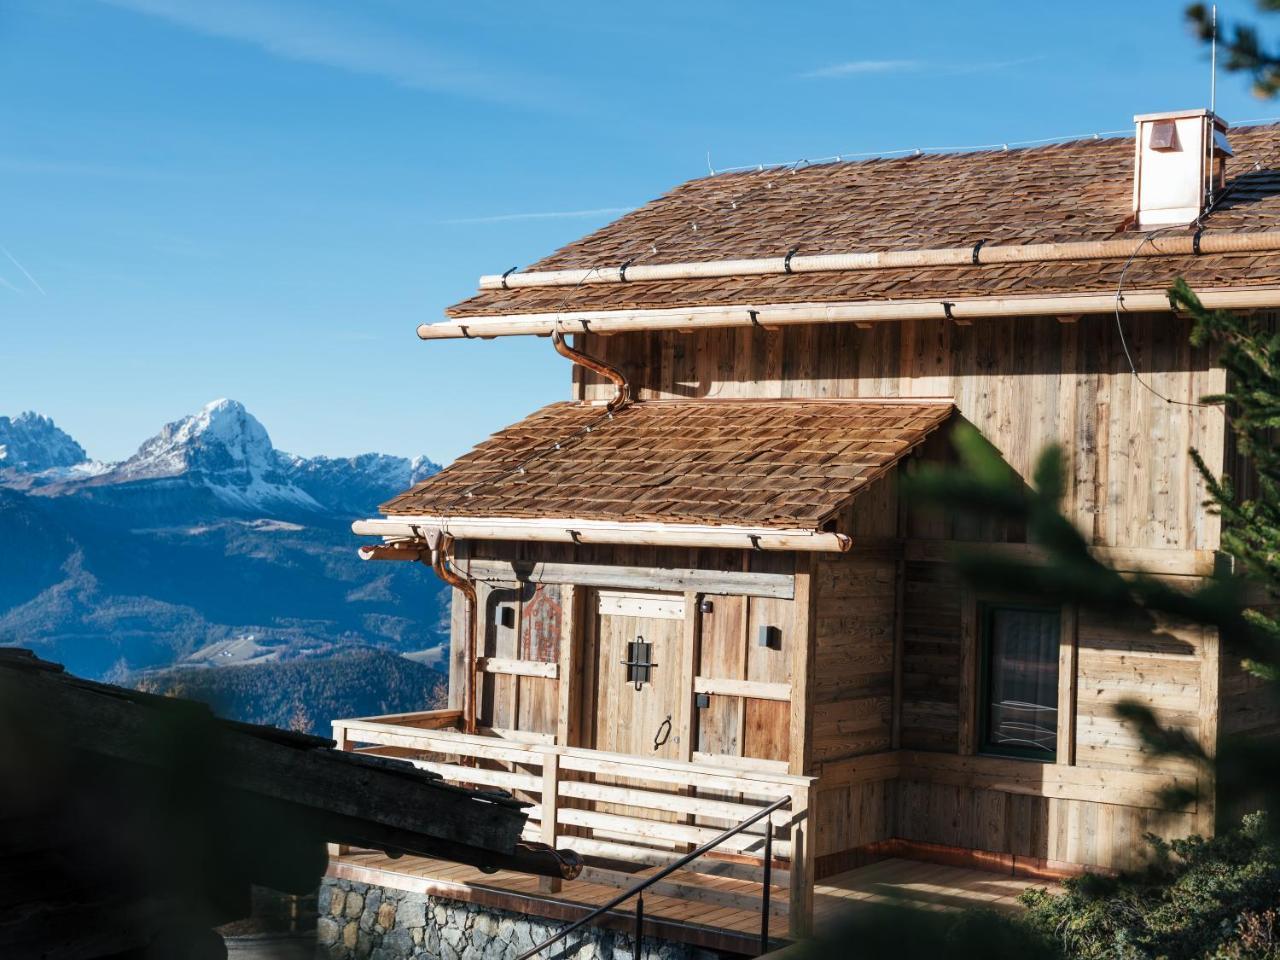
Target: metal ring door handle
column 663, row 734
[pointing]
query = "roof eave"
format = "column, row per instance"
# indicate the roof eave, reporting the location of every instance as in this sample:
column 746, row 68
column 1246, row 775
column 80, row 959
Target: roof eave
column 581, row 531
column 864, row 311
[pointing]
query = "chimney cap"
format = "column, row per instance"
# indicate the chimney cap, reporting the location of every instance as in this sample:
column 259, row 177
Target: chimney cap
column 1180, row 115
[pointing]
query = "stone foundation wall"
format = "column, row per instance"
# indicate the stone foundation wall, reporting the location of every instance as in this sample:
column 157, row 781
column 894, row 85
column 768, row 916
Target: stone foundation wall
column 362, row 922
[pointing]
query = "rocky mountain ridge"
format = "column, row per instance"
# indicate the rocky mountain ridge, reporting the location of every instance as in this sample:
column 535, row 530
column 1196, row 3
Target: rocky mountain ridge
column 222, row 448
column 208, row 547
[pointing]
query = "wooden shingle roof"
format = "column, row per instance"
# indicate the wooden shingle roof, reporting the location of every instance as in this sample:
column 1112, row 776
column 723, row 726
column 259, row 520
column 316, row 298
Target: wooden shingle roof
column 789, row 463
column 1077, row 191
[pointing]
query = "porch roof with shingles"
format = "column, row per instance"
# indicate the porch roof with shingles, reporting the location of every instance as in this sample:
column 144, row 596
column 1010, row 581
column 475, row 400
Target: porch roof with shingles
column 1076, row 191
column 786, row 464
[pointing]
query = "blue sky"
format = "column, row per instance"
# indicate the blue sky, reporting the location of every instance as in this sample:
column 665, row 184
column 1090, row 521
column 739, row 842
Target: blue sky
column 262, row 198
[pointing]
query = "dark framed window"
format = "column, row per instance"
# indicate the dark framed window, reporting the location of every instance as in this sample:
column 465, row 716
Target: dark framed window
column 1019, row 689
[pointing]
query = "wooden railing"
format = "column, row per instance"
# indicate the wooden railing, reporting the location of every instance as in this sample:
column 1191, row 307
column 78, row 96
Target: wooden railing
column 626, row 816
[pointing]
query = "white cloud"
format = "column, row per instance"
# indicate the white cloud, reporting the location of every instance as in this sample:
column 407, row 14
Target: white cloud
column 864, row 66
column 550, row 215
column 330, row 35
column 859, row 67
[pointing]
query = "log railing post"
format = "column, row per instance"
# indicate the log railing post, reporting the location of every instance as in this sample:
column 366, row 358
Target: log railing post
column 802, row 864
column 550, row 810
column 341, row 742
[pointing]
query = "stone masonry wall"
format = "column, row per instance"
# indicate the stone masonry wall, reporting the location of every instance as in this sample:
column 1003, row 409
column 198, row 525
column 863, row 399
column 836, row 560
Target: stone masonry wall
column 362, row 922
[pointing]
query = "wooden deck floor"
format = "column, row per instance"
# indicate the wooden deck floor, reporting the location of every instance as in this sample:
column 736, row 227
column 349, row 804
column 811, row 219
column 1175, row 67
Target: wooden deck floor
column 700, row 922
column 912, row 883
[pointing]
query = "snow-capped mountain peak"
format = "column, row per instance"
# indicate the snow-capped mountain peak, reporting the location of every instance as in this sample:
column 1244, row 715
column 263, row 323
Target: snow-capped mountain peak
column 225, row 450
column 223, row 438
column 30, row 443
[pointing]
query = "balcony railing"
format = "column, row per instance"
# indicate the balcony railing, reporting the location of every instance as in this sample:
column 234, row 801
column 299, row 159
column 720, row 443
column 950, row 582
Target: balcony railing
column 627, row 816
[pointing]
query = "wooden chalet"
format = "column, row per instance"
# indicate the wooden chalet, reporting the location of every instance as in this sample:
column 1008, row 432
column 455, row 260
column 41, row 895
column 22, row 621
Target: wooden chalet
column 693, row 589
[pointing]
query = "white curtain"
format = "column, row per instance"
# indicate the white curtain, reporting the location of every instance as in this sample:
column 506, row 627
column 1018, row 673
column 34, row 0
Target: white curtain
column 1023, row 693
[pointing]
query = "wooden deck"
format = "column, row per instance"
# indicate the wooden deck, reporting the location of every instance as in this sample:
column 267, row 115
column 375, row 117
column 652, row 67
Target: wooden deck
column 929, row 886
column 697, row 917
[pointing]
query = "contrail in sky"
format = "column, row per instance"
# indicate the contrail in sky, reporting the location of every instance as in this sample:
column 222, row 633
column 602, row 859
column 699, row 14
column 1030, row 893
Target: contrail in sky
column 32, row 280
column 5, row 283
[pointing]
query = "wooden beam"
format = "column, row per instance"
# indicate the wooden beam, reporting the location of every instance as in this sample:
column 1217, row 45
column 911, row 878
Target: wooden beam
column 576, row 530
column 727, row 582
column 622, row 603
column 569, row 691
column 691, row 637
column 899, row 648
column 550, row 812
column 625, row 826
column 1068, row 679
column 519, row 668
column 1158, row 561
column 742, row 688
column 771, row 316
column 1131, row 788
column 804, row 626
column 1210, row 710
column 803, row 864
column 969, row 685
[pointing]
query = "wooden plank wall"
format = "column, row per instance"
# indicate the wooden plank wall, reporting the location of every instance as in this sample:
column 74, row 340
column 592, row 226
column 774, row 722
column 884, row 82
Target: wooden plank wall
column 930, row 714
column 854, row 650
column 736, row 726
column 1024, row 382
column 1037, row 828
column 1153, row 662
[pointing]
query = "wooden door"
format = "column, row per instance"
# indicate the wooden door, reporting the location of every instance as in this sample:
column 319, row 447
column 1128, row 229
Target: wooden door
column 730, row 649
column 642, row 722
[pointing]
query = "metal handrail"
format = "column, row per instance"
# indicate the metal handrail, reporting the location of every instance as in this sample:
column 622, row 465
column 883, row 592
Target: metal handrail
column 639, row 888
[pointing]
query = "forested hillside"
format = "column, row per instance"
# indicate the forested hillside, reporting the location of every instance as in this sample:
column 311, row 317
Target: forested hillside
column 307, row 694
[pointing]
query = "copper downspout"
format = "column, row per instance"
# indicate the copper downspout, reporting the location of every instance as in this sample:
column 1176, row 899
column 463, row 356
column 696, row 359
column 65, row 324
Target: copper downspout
column 623, row 395
column 441, row 545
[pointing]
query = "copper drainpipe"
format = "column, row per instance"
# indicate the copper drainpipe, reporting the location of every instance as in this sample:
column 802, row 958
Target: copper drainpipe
column 623, row 395
column 441, row 545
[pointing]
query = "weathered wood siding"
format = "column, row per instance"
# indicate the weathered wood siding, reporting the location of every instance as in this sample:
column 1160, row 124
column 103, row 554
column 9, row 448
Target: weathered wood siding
column 1152, row 662
column 884, row 708
column 1036, row 828
column 1025, row 382
column 853, row 657
column 930, row 707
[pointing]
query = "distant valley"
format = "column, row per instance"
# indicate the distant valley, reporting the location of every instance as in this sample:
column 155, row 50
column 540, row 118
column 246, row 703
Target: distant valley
column 211, row 552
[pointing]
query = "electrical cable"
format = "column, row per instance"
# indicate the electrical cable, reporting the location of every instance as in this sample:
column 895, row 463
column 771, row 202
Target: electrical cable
column 1198, row 223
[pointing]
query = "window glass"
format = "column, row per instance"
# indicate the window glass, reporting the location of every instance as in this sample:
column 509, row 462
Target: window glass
column 1021, row 691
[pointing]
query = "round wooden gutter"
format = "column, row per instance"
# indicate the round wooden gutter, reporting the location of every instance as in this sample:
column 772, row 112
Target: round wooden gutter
column 545, row 530
column 1138, row 246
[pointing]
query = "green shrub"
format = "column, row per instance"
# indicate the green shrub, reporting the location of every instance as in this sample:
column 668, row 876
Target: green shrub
column 1216, row 898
